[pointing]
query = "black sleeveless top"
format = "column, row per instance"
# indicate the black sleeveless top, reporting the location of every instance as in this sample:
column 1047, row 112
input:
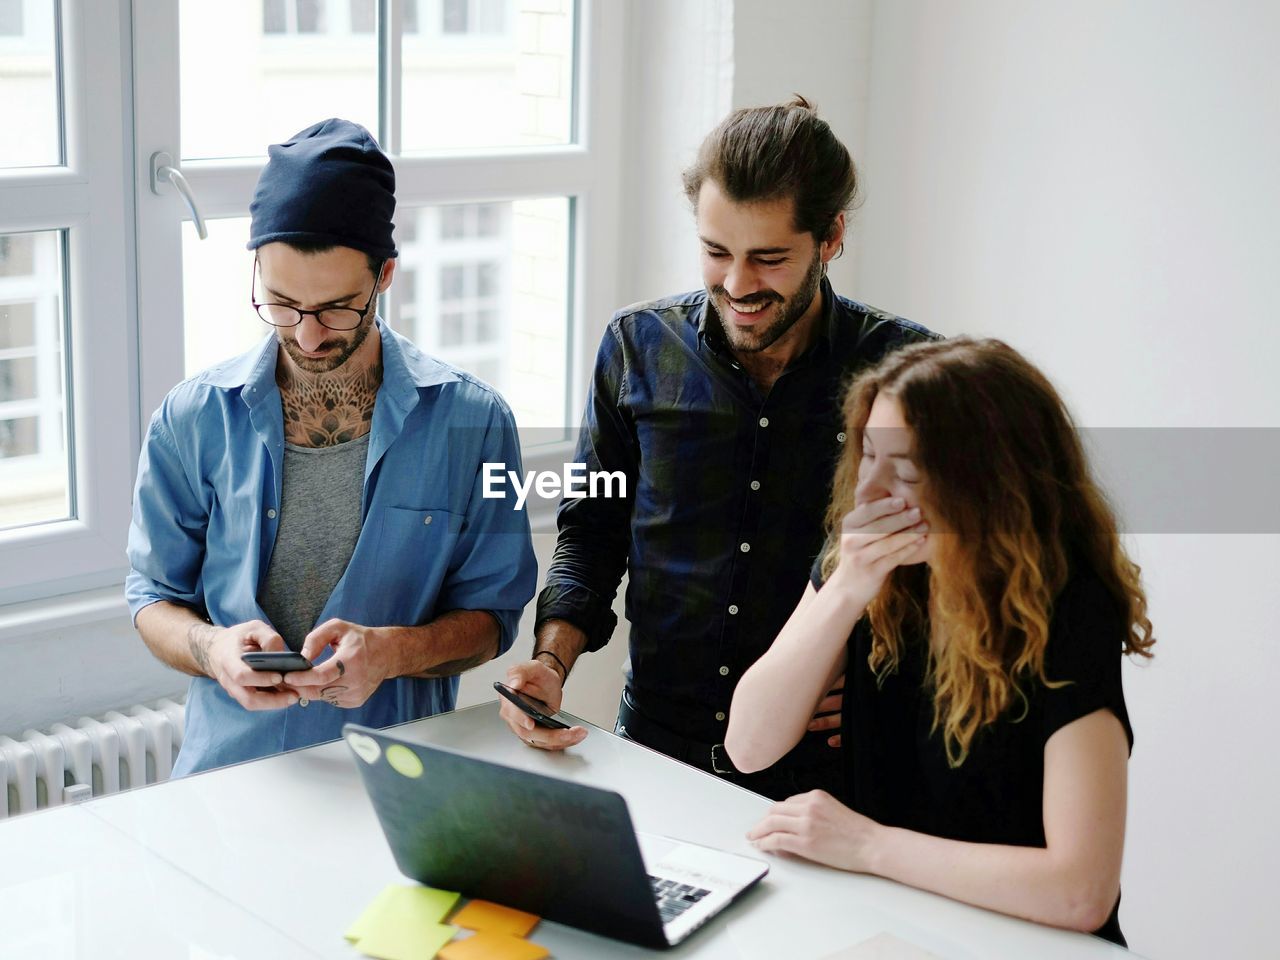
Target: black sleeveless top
column 896, row 769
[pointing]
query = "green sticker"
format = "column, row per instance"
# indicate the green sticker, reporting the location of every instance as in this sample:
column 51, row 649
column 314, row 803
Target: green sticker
column 366, row 748
column 404, row 761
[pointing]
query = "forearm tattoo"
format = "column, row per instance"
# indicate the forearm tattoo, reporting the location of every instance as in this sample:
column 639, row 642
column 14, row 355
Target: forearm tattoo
column 199, row 639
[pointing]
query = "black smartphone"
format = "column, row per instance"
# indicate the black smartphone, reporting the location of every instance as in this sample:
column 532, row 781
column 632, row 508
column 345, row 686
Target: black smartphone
column 281, row 661
column 541, row 712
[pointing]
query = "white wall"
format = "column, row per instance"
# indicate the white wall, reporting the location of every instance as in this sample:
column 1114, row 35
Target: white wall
column 822, row 50
column 689, row 65
column 1096, row 183
column 83, row 666
column 679, row 84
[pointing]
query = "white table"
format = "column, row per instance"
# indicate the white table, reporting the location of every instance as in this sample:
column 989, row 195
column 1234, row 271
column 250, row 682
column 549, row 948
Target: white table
column 72, row 886
column 288, row 851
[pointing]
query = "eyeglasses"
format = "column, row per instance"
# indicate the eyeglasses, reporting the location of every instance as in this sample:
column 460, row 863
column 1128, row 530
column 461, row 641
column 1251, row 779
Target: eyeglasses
column 335, row 318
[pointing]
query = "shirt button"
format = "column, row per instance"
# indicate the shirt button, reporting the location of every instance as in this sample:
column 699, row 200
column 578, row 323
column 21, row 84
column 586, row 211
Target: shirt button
column 764, row 421
column 271, row 514
column 719, row 714
column 733, row 609
column 724, row 671
column 755, row 484
column 303, row 701
column 745, row 548
column 427, row 520
column 840, row 436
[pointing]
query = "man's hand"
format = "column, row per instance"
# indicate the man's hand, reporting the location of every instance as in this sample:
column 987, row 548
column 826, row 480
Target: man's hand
column 349, row 677
column 217, row 651
column 827, row 716
column 542, row 682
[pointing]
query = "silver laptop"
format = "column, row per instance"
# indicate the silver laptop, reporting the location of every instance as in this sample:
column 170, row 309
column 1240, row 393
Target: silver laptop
column 562, row 850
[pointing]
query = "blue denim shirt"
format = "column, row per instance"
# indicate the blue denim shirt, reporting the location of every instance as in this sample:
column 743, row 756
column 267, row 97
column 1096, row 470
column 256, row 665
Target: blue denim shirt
column 205, row 515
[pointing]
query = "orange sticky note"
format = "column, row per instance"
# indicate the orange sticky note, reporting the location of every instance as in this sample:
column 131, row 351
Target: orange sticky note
column 492, row 946
column 494, row 918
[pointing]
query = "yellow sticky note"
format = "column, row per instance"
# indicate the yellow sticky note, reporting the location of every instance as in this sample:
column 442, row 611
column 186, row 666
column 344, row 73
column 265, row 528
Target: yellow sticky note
column 494, row 918
column 373, row 911
column 400, row 908
column 405, row 937
column 493, row 946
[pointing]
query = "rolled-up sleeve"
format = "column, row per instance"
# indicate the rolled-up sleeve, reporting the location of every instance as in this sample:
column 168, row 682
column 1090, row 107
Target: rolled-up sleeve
column 493, row 567
column 595, row 532
column 167, row 533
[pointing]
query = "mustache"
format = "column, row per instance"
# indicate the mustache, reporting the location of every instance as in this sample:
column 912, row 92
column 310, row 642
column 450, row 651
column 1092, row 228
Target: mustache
column 762, row 296
column 293, row 347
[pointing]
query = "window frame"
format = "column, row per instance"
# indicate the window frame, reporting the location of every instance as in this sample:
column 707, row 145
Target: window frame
column 88, row 197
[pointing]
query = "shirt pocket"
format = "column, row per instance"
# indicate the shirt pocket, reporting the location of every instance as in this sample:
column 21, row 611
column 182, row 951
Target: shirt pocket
column 411, row 560
column 809, row 457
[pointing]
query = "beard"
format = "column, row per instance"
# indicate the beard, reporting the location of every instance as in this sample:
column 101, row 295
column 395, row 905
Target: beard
column 334, row 360
column 790, row 310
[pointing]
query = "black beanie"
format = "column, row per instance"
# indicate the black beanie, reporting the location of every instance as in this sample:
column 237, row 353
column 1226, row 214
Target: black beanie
column 329, row 184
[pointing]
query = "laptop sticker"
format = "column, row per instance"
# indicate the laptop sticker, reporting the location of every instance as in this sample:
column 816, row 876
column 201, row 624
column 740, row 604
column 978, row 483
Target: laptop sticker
column 366, row 748
column 404, row 761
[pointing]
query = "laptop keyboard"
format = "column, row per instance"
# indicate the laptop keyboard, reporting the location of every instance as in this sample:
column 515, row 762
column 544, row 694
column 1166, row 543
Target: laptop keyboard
column 674, row 898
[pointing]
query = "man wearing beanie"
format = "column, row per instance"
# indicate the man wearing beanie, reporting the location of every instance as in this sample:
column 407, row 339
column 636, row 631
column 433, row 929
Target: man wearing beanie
column 321, row 493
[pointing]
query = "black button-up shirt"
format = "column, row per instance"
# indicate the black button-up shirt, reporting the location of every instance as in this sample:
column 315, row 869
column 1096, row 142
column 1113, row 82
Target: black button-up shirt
column 726, row 492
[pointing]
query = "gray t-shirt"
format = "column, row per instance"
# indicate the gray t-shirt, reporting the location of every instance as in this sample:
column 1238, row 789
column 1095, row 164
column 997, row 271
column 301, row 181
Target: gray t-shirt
column 319, row 524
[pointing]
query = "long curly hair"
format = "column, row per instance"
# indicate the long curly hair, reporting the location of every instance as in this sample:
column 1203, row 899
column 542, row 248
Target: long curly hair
column 1013, row 509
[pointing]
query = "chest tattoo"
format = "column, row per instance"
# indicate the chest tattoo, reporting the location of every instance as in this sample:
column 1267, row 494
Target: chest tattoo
column 322, row 411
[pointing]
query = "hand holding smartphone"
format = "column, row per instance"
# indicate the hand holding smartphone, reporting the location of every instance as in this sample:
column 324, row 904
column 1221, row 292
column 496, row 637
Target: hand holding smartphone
column 541, row 713
column 281, row 661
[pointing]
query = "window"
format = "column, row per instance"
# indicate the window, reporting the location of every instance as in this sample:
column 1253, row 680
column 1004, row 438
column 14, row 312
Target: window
column 35, row 476
column 68, row 431
column 363, row 16
column 10, row 18
column 296, row 62
column 489, row 292
column 488, row 221
column 469, row 304
column 293, row 16
column 108, row 295
column 517, row 57
column 471, row 220
column 29, row 84
column 473, row 16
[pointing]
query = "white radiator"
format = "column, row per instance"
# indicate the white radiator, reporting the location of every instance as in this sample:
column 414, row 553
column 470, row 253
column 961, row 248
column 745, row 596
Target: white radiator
column 92, row 758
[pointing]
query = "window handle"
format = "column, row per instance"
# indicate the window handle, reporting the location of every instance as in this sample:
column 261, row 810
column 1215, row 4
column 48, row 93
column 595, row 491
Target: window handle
column 162, row 169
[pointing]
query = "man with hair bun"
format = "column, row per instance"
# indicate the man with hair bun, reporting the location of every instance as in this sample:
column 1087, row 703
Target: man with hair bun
column 721, row 407
column 321, row 493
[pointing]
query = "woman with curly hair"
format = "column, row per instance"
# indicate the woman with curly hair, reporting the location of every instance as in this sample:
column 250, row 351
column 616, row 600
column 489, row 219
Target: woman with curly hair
column 974, row 593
